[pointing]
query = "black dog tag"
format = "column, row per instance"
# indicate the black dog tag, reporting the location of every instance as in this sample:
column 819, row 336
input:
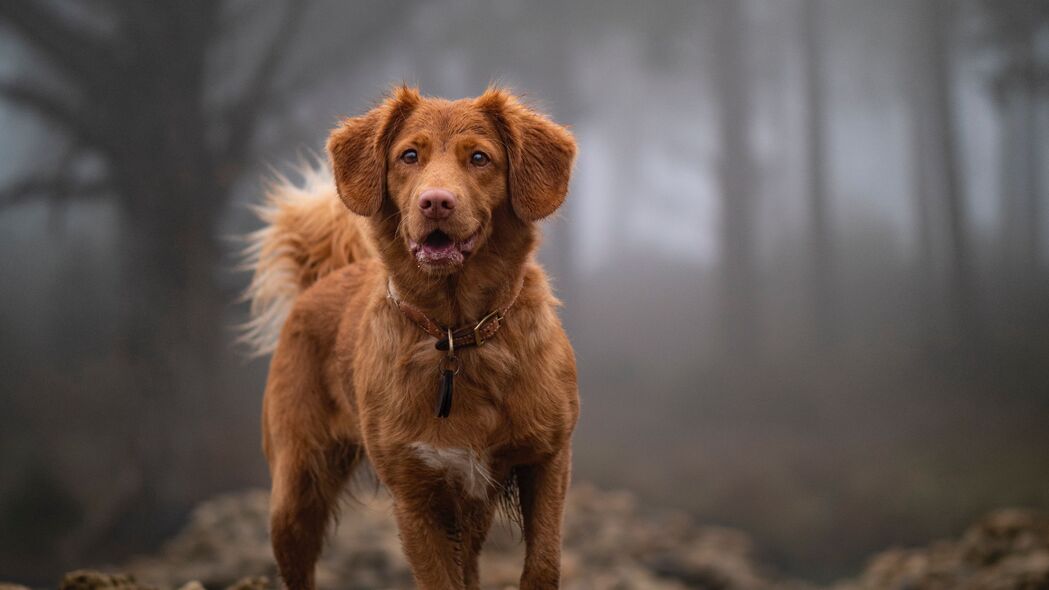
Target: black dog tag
column 444, row 398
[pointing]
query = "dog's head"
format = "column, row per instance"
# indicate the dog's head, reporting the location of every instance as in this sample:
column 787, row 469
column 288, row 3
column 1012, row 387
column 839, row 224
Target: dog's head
column 447, row 172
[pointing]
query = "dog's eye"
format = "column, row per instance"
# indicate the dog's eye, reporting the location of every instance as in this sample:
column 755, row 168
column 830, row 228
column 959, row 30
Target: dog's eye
column 479, row 159
column 410, row 156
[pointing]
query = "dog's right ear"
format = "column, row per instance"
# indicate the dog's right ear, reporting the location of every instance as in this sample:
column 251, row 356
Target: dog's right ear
column 357, row 149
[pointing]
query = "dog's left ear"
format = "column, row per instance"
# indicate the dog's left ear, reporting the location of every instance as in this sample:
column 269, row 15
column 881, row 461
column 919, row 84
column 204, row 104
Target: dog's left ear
column 358, row 150
column 540, row 154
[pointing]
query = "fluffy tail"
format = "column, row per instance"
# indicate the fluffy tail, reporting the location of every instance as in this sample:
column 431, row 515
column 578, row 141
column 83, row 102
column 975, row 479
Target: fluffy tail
column 308, row 233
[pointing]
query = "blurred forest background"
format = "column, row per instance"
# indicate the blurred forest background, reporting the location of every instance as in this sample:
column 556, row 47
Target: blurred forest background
column 803, row 260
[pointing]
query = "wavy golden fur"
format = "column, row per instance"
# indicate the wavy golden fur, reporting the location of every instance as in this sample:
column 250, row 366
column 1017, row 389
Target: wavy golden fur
column 352, row 377
column 308, row 233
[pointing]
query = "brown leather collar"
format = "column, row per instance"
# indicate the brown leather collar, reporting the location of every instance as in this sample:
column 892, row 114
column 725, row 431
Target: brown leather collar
column 464, row 337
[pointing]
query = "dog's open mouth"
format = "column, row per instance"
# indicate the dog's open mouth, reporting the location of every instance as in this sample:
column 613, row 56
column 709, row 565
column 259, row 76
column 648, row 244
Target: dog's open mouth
column 440, row 249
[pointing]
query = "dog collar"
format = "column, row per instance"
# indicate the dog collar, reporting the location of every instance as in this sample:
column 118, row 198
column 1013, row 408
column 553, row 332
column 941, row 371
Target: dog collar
column 448, row 340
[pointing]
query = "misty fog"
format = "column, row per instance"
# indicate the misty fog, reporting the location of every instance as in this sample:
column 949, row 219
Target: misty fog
column 803, row 259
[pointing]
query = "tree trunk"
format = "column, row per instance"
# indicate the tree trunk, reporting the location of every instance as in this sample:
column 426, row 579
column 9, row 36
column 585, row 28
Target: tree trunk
column 821, row 255
column 1036, row 165
column 924, row 180
column 1024, row 219
column 963, row 295
column 170, row 202
column 171, row 335
column 946, row 257
column 739, row 284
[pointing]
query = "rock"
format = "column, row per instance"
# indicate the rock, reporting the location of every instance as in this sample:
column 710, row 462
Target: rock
column 610, row 543
column 1006, row 550
column 94, row 580
column 256, row 583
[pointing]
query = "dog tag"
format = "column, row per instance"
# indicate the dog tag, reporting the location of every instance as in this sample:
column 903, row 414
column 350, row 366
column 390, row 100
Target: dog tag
column 444, row 398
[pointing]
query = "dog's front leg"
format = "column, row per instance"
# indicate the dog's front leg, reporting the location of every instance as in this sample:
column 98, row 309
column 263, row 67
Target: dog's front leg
column 542, row 488
column 430, row 533
column 475, row 522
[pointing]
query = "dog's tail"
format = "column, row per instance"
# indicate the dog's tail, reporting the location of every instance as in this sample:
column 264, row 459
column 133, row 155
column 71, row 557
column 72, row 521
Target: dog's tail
column 308, row 233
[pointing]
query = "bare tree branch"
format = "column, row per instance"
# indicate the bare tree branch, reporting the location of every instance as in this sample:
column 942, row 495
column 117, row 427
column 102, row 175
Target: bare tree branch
column 280, row 97
column 274, row 100
column 234, row 15
column 75, row 51
column 52, row 109
column 243, row 114
column 51, row 187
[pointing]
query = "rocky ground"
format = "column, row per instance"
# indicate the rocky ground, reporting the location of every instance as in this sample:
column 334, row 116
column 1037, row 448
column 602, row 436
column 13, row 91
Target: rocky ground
column 1006, row 550
column 610, row 544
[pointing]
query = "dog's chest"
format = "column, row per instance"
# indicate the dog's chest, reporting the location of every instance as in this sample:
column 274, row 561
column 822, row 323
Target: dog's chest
column 492, row 421
column 467, row 467
column 481, row 380
column 459, row 447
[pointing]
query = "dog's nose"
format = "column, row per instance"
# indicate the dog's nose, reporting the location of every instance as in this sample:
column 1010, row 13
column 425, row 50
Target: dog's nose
column 436, row 203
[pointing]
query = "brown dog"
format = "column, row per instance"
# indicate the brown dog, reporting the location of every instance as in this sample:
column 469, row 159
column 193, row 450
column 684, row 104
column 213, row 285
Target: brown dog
column 446, row 194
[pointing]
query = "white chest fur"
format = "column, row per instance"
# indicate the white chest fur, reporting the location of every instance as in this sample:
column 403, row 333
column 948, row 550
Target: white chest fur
column 463, row 465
